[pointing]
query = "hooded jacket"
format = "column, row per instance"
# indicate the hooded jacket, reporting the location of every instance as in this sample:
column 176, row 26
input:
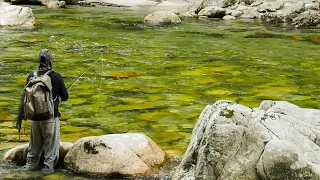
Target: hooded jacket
column 58, row 87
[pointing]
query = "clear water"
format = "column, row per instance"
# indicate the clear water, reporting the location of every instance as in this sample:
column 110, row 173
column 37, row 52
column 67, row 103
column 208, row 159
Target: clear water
column 154, row 80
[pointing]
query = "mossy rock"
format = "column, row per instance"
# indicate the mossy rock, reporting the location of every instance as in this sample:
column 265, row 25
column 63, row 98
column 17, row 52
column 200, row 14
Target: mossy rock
column 5, row 89
column 205, row 81
column 8, row 99
column 72, row 129
column 194, row 115
column 9, row 131
column 219, row 92
column 22, row 175
column 15, row 137
column 4, row 104
column 165, row 127
column 7, row 124
column 155, row 98
column 5, row 116
column 131, row 100
column 54, row 176
column 139, row 106
column 153, row 116
column 76, row 101
column 181, row 97
column 271, row 90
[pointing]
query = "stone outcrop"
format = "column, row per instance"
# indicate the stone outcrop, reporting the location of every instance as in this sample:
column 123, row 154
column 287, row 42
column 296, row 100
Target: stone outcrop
column 161, row 17
column 18, row 154
column 11, row 15
column 278, row 140
column 130, row 154
column 56, row 4
column 213, row 11
column 299, row 13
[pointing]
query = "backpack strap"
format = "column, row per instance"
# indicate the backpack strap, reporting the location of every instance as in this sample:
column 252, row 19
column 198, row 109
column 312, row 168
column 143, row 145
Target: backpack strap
column 48, row 72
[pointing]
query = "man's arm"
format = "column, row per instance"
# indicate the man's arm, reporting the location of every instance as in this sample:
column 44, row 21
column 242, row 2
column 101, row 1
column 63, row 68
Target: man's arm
column 63, row 92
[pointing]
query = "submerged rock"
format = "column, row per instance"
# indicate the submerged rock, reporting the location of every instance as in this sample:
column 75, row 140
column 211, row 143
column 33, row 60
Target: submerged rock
column 11, row 15
column 278, row 140
column 161, row 17
column 18, row 154
column 130, row 154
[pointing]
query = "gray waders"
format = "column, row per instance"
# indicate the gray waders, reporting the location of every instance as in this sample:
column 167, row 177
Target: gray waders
column 44, row 138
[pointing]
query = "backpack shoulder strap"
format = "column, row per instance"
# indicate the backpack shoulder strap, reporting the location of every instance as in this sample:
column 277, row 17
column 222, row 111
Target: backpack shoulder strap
column 48, row 72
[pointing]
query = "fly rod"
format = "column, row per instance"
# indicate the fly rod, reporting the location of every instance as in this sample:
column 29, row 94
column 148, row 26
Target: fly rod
column 69, row 88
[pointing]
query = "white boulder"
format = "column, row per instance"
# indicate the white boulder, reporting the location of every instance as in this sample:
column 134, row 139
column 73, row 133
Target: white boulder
column 130, row 154
column 11, row 15
column 161, row 17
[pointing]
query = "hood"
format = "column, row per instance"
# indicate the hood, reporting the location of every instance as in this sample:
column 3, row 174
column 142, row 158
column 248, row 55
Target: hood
column 45, row 59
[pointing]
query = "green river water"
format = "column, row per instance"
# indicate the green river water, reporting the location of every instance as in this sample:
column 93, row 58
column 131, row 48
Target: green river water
column 153, row 80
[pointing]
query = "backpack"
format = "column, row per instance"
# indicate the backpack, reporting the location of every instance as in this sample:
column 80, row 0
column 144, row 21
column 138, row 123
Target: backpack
column 38, row 100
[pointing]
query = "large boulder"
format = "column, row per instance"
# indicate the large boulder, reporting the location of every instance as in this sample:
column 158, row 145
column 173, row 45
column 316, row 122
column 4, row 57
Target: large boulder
column 161, row 17
column 11, row 15
column 18, row 154
column 278, row 140
column 56, row 4
column 130, row 154
column 213, row 11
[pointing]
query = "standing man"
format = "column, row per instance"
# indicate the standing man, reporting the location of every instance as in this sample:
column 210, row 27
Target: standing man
column 45, row 134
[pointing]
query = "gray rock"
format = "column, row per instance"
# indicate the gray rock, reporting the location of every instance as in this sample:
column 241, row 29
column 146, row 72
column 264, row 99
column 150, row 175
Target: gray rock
column 11, row 15
column 236, row 13
column 255, row 4
column 282, row 160
column 231, row 141
column 312, row 6
column 229, row 17
column 229, row 11
column 130, row 154
column 307, row 19
column 56, row 4
column 286, row 14
column 213, row 11
column 250, row 13
column 270, row 6
column 161, row 17
column 18, row 154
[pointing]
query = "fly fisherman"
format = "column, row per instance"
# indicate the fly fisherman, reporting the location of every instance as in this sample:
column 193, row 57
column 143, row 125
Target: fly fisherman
column 45, row 133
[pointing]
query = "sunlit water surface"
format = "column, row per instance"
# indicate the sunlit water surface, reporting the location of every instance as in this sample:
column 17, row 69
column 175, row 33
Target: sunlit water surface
column 152, row 80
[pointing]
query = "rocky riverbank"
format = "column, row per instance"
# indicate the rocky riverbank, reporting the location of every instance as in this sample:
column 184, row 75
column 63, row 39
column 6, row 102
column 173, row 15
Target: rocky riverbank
column 278, row 140
column 297, row 13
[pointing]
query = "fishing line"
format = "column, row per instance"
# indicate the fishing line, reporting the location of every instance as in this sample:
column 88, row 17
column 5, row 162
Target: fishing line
column 99, row 89
column 69, row 88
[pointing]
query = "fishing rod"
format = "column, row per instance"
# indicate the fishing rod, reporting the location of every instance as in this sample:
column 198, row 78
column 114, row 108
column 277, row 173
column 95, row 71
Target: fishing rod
column 70, row 86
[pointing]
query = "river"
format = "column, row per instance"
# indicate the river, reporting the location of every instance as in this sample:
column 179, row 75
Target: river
column 153, row 80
